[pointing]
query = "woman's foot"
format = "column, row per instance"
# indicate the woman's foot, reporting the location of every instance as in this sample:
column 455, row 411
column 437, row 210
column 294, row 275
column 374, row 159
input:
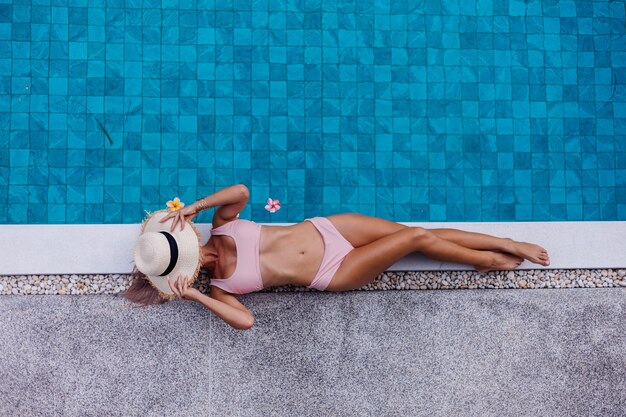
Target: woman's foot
column 501, row 261
column 534, row 253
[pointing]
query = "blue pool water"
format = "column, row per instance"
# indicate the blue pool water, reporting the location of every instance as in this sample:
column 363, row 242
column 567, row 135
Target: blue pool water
column 431, row 110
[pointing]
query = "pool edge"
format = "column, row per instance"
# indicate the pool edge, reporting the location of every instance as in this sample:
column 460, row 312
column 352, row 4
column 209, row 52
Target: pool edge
column 108, row 248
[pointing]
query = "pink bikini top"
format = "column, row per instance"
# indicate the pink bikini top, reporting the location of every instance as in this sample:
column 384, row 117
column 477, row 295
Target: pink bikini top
column 247, row 275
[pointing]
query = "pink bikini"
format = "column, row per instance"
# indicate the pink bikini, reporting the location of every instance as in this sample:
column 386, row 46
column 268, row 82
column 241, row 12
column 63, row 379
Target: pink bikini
column 247, row 275
column 336, row 247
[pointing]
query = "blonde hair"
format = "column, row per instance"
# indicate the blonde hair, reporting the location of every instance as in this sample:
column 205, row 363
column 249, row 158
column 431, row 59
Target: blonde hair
column 142, row 291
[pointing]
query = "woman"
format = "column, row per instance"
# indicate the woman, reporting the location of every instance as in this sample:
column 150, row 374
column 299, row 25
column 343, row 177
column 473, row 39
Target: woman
column 335, row 253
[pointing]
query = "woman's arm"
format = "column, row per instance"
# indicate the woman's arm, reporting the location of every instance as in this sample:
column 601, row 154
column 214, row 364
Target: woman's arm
column 235, row 317
column 228, row 308
column 231, row 201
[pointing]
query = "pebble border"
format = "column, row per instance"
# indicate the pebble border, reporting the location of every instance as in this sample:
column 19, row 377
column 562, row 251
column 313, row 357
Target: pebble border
column 74, row 284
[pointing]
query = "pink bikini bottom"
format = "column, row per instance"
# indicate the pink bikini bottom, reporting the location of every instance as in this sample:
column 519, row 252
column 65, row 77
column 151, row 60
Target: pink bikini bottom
column 336, row 247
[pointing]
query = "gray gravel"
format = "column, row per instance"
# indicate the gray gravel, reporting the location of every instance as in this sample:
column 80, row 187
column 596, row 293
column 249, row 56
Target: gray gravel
column 419, row 280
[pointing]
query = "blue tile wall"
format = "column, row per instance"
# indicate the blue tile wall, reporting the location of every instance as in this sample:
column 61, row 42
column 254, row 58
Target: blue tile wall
column 446, row 110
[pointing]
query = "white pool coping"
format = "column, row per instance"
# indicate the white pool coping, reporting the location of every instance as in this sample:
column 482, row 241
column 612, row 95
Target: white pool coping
column 108, row 248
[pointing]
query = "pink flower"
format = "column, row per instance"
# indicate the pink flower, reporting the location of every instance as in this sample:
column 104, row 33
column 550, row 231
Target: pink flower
column 272, row 205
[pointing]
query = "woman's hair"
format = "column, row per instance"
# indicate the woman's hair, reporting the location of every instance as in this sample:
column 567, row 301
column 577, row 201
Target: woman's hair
column 141, row 291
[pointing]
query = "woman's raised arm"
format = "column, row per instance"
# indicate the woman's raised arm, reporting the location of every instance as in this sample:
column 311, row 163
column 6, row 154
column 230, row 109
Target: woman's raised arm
column 230, row 200
column 227, row 196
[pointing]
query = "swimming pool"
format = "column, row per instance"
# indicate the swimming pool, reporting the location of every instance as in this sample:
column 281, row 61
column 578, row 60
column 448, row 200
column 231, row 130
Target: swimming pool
column 409, row 110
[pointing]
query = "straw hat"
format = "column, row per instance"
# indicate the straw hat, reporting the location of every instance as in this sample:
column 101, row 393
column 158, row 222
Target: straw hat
column 160, row 254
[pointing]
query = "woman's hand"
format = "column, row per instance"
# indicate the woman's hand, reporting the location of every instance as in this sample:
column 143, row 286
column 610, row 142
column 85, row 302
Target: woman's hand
column 182, row 215
column 182, row 289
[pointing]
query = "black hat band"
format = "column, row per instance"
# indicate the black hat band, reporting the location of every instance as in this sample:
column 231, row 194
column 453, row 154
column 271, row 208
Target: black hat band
column 173, row 253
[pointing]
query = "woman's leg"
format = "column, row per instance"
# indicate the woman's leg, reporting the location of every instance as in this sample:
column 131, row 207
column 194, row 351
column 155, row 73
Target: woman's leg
column 474, row 240
column 361, row 230
column 365, row 263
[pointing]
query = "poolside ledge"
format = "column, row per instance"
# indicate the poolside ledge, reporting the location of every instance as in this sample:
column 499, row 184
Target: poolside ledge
column 108, row 248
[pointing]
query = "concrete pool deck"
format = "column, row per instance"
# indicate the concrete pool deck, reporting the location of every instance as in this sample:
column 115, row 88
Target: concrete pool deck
column 400, row 353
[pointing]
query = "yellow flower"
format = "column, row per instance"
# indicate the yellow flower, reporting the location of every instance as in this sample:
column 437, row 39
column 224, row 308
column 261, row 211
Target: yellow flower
column 174, row 205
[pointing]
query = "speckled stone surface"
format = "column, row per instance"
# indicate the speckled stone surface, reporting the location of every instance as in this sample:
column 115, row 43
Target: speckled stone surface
column 392, row 353
column 102, row 356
